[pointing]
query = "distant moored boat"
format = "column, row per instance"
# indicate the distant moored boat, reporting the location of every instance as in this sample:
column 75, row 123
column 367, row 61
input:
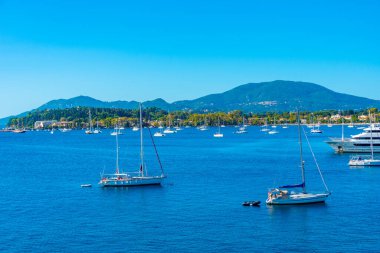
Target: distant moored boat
column 218, row 134
column 90, row 130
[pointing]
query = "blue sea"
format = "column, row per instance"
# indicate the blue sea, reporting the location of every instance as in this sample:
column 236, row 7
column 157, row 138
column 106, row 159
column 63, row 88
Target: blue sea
column 198, row 207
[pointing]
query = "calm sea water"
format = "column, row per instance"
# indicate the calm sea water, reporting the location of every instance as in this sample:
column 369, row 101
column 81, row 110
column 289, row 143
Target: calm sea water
column 198, row 208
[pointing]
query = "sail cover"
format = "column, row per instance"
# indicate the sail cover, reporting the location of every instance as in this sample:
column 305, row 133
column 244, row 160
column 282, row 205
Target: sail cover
column 292, row 186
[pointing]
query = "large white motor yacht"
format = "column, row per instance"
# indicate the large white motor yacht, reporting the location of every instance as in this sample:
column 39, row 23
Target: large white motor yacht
column 359, row 143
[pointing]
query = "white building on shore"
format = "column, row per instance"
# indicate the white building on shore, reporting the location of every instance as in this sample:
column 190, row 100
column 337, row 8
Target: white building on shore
column 44, row 124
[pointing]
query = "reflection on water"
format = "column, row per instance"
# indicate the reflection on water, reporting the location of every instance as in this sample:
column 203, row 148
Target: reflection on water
column 294, row 209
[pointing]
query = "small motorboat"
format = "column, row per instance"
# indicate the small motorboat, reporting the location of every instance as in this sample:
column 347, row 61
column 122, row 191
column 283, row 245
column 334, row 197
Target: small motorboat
column 251, row 203
column 85, row 185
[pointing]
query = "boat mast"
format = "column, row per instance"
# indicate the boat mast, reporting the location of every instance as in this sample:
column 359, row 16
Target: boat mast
column 170, row 119
column 301, row 157
column 370, row 127
column 117, row 153
column 342, row 128
column 141, row 144
column 219, row 124
column 89, row 113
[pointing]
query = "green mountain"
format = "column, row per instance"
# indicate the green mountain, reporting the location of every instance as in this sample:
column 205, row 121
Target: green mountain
column 74, row 102
column 277, row 96
column 85, row 101
column 252, row 97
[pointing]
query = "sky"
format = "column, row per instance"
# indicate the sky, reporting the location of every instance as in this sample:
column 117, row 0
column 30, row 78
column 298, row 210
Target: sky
column 175, row 50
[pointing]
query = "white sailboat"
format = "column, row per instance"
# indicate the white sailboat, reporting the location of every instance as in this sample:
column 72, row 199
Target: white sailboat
column 286, row 195
column 351, row 125
column 97, row 130
column 329, row 124
column 178, row 127
column 117, row 130
column 218, row 134
column 311, row 122
column 168, row 129
column 204, row 127
column 243, row 128
column 265, row 127
column 274, row 126
column 90, row 130
column 136, row 178
column 274, row 123
column 159, row 133
column 362, row 160
column 315, row 129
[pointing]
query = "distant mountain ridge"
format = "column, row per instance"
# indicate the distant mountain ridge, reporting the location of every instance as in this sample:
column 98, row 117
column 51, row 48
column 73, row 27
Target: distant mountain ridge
column 252, row 97
column 86, row 101
column 278, row 96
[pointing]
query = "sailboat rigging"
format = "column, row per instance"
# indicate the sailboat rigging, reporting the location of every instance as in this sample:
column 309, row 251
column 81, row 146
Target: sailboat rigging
column 285, row 195
column 136, row 178
column 90, row 130
column 218, row 134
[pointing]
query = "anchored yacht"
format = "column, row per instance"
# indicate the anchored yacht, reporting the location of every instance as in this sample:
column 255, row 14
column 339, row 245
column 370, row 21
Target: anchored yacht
column 288, row 195
column 360, row 143
column 366, row 161
column 135, row 178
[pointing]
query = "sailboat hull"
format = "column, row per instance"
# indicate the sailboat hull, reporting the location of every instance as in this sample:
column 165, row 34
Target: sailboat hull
column 298, row 199
column 129, row 182
column 364, row 162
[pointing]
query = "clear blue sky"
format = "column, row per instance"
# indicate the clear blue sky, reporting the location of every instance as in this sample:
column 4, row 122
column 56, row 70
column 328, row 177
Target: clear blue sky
column 140, row 50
